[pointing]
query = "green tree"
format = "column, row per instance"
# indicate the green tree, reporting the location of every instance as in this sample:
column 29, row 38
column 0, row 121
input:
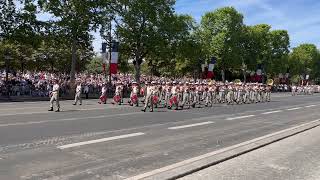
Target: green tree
column 8, row 25
column 261, row 39
column 187, row 49
column 8, row 20
column 73, row 20
column 95, row 66
column 280, row 43
column 175, row 54
column 19, row 32
column 220, row 33
column 141, row 25
column 304, row 60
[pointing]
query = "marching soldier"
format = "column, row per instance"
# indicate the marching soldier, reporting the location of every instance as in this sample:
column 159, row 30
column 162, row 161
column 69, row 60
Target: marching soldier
column 203, row 91
column 238, row 93
column 117, row 99
column 262, row 93
column 246, row 92
column 162, row 86
column 293, row 90
column 252, row 93
column 78, row 94
column 209, row 91
column 174, row 98
column 214, row 93
column 103, row 96
column 167, row 93
column 196, row 95
column 143, row 91
column 258, row 93
column 222, row 89
column 148, row 99
column 186, row 95
column 180, row 91
column 134, row 94
column 55, row 96
column 230, row 94
column 156, row 93
column 268, row 92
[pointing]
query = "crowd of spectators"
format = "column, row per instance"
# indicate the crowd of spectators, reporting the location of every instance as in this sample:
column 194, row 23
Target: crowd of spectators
column 39, row 84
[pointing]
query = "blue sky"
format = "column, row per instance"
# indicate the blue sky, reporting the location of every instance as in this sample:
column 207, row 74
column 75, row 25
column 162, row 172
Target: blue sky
column 300, row 17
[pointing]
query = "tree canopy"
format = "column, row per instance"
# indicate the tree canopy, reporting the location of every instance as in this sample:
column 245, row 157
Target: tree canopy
column 150, row 33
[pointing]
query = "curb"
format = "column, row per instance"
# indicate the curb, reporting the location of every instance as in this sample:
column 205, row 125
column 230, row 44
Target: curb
column 198, row 163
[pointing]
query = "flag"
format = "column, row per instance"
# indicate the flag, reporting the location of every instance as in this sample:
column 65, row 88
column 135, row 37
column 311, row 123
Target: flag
column 210, row 74
column 113, row 68
column 114, row 57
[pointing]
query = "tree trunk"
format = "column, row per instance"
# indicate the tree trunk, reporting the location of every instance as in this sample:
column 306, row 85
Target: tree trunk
column 73, row 69
column 244, row 77
column 137, row 72
column 22, row 66
column 223, row 75
column 74, row 61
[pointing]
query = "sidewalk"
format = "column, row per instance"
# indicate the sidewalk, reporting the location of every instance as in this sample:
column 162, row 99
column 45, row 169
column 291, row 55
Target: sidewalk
column 294, row 158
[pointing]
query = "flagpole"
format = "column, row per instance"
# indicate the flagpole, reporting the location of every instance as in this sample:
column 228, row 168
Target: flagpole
column 110, row 49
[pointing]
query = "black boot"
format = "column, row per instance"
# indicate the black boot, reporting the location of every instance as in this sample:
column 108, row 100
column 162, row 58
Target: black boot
column 51, row 109
column 144, row 110
column 58, row 110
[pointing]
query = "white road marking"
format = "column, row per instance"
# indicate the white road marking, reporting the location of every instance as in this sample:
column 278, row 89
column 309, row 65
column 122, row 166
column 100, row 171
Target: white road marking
column 292, row 109
column 191, row 125
column 239, row 117
column 310, row 106
column 99, row 140
column 68, row 119
column 46, row 112
column 82, row 109
column 21, row 108
column 148, row 175
column 271, row 112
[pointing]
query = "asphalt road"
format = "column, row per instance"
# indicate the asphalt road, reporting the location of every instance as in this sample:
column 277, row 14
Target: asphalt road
column 294, row 158
column 95, row 141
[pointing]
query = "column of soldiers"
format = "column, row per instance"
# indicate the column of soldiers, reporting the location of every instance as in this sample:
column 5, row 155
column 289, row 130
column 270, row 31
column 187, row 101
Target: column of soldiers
column 304, row 90
column 179, row 95
column 195, row 94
